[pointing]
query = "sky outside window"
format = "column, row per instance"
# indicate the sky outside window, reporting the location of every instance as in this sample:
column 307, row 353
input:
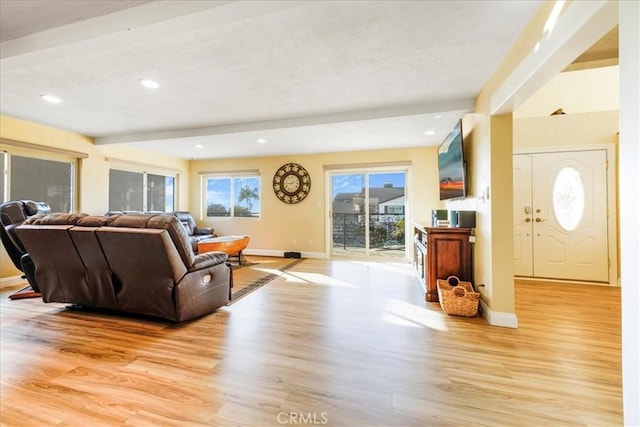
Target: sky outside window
column 354, row 183
column 219, row 192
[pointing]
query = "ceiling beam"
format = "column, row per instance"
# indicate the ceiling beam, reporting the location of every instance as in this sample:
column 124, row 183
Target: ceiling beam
column 139, row 24
column 580, row 26
column 465, row 105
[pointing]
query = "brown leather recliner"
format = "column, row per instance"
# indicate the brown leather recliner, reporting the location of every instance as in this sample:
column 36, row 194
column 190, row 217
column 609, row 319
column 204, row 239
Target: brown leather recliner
column 133, row 263
column 12, row 215
column 195, row 234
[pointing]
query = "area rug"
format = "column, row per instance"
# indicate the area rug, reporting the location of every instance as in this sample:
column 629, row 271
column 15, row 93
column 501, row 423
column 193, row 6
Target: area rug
column 252, row 274
column 256, row 272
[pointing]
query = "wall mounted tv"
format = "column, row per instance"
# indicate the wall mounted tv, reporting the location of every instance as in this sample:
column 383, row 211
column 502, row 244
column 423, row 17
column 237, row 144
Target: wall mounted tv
column 451, row 169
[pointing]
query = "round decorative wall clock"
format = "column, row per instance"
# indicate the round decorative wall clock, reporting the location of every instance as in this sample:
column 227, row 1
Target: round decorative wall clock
column 291, row 183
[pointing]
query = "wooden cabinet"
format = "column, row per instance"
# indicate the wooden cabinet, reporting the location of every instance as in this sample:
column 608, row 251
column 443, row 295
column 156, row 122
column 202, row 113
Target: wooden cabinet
column 440, row 252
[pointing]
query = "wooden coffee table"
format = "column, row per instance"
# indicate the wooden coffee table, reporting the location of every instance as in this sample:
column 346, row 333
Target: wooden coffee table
column 231, row 245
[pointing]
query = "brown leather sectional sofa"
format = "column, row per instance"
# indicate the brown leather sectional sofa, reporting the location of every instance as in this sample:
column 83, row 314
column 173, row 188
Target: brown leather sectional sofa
column 195, row 233
column 132, row 263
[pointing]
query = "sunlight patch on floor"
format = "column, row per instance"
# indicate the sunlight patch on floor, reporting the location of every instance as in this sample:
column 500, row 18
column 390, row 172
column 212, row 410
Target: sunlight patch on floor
column 396, row 267
column 317, row 279
column 402, row 313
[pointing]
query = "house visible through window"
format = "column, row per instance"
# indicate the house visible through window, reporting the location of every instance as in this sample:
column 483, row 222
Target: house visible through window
column 140, row 191
column 368, row 212
column 394, row 209
column 232, row 196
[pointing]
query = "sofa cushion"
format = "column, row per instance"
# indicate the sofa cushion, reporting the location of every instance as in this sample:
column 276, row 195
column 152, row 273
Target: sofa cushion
column 60, row 272
column 12, row 216
column 131, row 221
column 56, row 219
column 146, row 266
column 92, row 221
column 98, row 272
column 187, row 221
column 178, row 235
column 12, row 213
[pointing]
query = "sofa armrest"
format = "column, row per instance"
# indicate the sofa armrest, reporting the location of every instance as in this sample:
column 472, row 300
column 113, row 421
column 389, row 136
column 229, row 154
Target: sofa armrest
column 203, row 291
column 208, row 259
column 203, row 231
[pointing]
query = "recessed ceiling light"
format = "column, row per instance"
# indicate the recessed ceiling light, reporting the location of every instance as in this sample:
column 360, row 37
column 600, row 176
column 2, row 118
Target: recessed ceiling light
column 262, row 141
column 51, row 99
column 151, row 84
column 199, row 146
column 430, row 132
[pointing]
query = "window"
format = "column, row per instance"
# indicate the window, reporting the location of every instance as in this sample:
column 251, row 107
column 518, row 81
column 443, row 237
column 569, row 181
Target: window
column 394, row 209
column 160, row 193
column 232, row 196
column 3, row 172
column 127, row 191
column 367, row 215
column 568, row 198
column 41, row 180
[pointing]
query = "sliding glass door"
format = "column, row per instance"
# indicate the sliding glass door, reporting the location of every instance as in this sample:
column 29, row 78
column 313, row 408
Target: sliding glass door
column 368, row 213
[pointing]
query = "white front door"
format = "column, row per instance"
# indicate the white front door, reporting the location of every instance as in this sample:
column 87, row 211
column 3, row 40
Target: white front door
column 522, row 216
column 568, row 215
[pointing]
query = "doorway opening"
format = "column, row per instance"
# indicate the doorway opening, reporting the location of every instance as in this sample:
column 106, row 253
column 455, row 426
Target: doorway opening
column 562, row 227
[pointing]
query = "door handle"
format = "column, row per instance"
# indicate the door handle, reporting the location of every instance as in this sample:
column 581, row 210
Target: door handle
column 539, row 219
column 527, row 219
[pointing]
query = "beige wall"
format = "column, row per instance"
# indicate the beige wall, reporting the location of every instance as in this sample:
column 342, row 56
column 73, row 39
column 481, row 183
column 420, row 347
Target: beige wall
column 591, row 100
column 576, row 92
column 306, row 221
column 93, row 172
column 494, row 139
column 490, row 169
column 279, row 224
column 566, row 130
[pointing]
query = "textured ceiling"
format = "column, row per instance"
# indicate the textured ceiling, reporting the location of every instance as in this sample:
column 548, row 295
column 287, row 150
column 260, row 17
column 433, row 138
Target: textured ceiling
column 22, row 18
column 307, row 76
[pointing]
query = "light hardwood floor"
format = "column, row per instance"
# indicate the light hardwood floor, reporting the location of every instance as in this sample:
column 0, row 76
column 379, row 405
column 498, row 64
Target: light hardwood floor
column 338, row 343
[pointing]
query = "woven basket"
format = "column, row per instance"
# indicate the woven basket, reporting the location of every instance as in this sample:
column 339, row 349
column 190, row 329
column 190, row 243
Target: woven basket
column 457, row 297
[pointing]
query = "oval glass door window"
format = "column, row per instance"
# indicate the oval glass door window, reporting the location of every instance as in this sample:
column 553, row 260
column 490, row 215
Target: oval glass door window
column 568, row 198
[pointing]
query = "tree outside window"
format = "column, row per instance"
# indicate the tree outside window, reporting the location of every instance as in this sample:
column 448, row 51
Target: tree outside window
column 233, row 196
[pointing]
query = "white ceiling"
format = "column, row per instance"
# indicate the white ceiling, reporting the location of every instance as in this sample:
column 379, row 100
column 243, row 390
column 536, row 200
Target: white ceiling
column 307, row 76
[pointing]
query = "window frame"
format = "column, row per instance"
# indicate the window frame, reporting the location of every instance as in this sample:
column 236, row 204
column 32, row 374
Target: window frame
column 10, row 151
column 145, row 172
column 232, row 177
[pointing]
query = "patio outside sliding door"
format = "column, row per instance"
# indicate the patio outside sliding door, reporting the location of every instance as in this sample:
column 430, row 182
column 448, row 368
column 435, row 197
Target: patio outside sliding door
column 368, row 214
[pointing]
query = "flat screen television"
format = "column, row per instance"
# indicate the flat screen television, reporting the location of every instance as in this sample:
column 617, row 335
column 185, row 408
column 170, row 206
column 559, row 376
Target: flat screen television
column 451, row 170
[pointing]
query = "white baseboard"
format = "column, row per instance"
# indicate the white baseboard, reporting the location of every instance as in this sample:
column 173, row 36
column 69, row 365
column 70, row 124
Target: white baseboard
column 568, row 282
column 7, row 282
column 497, row 318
